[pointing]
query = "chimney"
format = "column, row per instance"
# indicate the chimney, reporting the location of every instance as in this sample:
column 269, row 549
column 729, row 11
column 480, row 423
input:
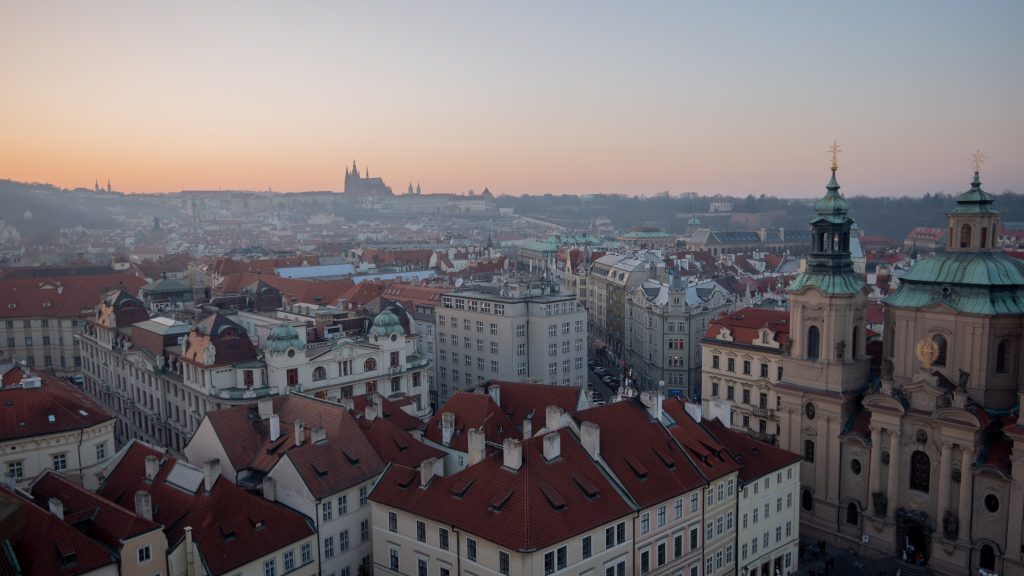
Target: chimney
column 56, row 507
column 348, row 403
column 275, row 427
column 512, row 451
column 269, row 489
column 266, row 407
column 300, row 433
column 495, row 393
column 693, row 409
column 318, row 435
column 476, row 446
column 371, row 412
column 190, row 558
column 553, row 418
column 427, row 471
column 447, row 428
column 527, row 427
column 211, row 471
column 152, row 467
column 652, row 401
column 144, row 504
column 590, row 435
column 552, row 446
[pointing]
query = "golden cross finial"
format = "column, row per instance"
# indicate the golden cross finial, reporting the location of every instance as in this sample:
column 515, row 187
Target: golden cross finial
column 978, row 158
column 835, row 149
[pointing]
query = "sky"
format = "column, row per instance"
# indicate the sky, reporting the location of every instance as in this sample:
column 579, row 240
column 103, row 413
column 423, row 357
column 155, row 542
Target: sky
column 568, row 97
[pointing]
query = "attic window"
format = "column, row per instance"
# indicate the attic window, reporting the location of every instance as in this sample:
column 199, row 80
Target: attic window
column 47, row 304
column 460, row 490
column 12, row 305
column 83, row 412
column 499, row 502
column 408, row 479
column 402, row 446
column 227, row 531
column 586, row 486
column 51, row 418
column 552, row 496
column 319, row 471
column 665, row 458
column 637, row 467
column 68, row 555
column 273, row 447
column 352, row 458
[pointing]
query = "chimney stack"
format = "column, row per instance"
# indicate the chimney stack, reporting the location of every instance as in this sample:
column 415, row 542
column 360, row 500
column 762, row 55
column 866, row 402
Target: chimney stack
column 427, row 471
column 266, row 406
column 300, row 432
column 590, row 435
column 275, row 427
column 512, row 451
column 144, row 504
column 447, row 428
column 152, row 467
column 318, row 435
column 370, row 412
column 552, row 446
column 269, row 489
column 553, row 418
column 348, row 403
column 528, row 427
column 495, row 393
column 56, row 507
column 693, row 409
column 477, row 449
column 211, row 471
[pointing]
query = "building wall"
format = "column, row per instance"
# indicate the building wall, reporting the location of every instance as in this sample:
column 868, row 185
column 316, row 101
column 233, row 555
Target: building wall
column 776, row 499
column 720, row 497
column 84, row 453
column 670, row 535
column 750, row 397
column 45, row 343
column 156, row 541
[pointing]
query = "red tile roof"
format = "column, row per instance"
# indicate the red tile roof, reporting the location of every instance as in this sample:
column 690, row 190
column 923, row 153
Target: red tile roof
column 472, row 411
column 120, row 309
column 392, row 411
column 343, row 460
column 641, row 454
column 394, row 445
column 107, row 522
column 704, row 450
column 539, row 505
column 294, row 289
column 519, row 399
column 229, row 340
column 26, row 412
column 744, row 324
column 231, row 527
column 44, row 540
column 757, row 458
column 363, row 294
column 59, row 297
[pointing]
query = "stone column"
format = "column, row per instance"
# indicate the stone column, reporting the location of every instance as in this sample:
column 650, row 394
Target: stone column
column 966, row 479
column 945, row 466
column 894, row 471
column 875, row 470
column 1013, row 529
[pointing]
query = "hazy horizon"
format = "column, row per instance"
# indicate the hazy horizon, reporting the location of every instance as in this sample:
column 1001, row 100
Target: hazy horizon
column 573, row 98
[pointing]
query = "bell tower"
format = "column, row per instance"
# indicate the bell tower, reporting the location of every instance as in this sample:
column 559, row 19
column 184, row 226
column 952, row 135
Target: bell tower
column 826, row 367
column 974, row 223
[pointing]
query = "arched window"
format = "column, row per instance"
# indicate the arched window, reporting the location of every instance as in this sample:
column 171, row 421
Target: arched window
column 965, row 236
column 806, row 500
column 987, row 558
column 813, row 342
column 855, row 348
column 1003, row 356
column 319, row 373
column 809, row 450
column 370, row 365
column 852, row 514
column 920, row 471
column 940, row 341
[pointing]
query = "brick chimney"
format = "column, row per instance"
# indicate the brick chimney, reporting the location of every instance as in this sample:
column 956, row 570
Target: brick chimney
column 275, row 427
column 476, row 446
column 211, row 471
column 590, row 436
column 527, row 427
column 152, row 467
column 512, row 451
column 266, row 407
column 144, row 504
column 300, row 432
column 495, row 391
column 428, row 469
column 56, row 507
column 317, row 435
column 552, row 446
column 370, row 412
column 447, row 428
column 269, row 489
column 553, row 418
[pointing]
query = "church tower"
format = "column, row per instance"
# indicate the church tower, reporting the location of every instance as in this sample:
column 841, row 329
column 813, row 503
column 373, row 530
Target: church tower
column 826, row 366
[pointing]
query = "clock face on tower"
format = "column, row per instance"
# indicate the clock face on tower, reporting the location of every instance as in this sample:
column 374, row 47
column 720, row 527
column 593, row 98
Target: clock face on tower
column 809, row 411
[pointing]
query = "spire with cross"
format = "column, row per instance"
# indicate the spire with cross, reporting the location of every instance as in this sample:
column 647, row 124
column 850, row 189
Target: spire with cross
column 835, row 149
column 978, row 158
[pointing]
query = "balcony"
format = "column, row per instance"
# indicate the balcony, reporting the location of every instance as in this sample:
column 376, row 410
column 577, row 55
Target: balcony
column 762, row 412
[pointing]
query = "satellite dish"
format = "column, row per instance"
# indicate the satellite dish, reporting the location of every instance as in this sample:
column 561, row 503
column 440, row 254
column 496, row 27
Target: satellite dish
column 459, row 282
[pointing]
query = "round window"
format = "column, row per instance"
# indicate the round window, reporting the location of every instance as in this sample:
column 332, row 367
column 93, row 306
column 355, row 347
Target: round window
column 855, row 467
column 394, row 337
column 992, row 503
column 809, row 411
column 291, row 352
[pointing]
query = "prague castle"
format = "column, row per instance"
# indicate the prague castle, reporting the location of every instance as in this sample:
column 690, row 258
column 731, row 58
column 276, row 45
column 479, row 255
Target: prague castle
column 362, row 186
column 921, row 460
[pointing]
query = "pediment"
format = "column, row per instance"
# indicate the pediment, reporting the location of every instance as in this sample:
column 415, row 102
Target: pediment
column 883, row 403
column 959, row 416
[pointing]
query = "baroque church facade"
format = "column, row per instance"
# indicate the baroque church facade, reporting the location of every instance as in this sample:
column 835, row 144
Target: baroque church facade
column 920, row 461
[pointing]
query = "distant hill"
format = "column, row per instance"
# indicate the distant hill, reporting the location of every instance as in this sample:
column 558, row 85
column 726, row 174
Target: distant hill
column 51, row 208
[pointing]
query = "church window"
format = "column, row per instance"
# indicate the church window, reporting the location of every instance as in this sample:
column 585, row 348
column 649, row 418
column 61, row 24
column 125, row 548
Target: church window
column 809, row 450
column 987, row 558
column 813, row 342
column 806, row 500
column 992, row 503
column 920, row 471
column 852, row 514
column 940, row 341
column 370, row 365
column 809, row 411
column 855, row 347
column 1003, row 356
column 965, row 236
column 319, row 373
column 984, row 237
column 855, row 467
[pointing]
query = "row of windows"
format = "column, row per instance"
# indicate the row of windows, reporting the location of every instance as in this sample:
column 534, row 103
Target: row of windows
column 288, row 560
column 677, row 510
column 473, row 306
column 730, row 366
column 43, row 322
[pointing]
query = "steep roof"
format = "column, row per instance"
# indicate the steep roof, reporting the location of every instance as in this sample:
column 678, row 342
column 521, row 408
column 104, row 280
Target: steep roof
column 744, row 325
column 757, row 458
column 542, row 503
column 108, row 522
column 471, row 411
column 293, row 289
column 392, row 444
column 641, row 454
column 704, row 450
column 231, row 527
column 345, row 458
column 519, row 399
column 389, row 409
column 49, row 546
column 56, row 406
column 228, row 339
column 59, row 296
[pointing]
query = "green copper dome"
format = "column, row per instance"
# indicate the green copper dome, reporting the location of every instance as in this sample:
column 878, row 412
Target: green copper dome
column 975, row 200
column 386, row 324
column 283, row 337
column 987, row 283
column 832, row 207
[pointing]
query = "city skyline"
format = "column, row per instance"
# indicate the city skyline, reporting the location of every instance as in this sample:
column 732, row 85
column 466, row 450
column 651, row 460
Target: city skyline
column 525, row 99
